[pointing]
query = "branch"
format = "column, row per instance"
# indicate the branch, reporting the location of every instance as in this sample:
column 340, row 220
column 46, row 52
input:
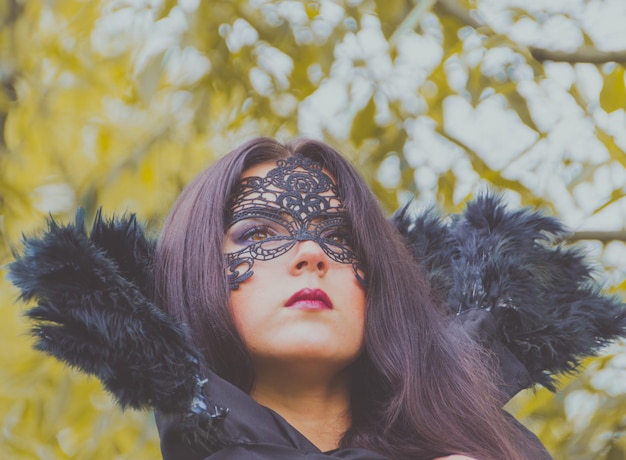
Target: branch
column 586, row 53
column 12, row 10
column 604, row 237
column 453, row 8
column 412, row 19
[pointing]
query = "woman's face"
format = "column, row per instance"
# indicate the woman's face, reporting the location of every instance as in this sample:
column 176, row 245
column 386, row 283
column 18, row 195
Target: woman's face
column 297, row 291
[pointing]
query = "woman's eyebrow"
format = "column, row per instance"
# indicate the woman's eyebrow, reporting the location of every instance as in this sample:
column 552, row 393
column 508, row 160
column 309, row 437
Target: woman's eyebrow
column 336, row 219
column 260, row 216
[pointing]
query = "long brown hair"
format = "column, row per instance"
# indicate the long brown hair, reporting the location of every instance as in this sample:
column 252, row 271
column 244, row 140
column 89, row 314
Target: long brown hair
column 423, row 388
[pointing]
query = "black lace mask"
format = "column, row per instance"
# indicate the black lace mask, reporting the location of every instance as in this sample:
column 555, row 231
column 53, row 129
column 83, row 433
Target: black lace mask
column 294, row 202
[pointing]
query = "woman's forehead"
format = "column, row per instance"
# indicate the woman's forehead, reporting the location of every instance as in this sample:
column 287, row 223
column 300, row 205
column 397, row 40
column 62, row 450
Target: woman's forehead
column 261, row 170
column 296, row 185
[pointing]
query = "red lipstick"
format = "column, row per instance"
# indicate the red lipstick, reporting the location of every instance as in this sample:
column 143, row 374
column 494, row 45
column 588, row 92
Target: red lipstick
column 310, row 299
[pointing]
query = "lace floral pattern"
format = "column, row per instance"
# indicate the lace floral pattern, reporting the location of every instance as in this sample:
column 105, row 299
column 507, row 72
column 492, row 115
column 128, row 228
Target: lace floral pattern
column 296, row 201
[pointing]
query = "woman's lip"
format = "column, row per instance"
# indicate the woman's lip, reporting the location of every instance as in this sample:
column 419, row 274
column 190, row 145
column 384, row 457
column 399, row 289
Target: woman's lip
column 310, row 299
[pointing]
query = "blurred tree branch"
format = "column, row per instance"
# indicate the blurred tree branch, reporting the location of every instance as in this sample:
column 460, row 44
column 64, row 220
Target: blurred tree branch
column 454, row 8
column 9, row 12
column 604, row 237
column 587, row 54
column 412, row 19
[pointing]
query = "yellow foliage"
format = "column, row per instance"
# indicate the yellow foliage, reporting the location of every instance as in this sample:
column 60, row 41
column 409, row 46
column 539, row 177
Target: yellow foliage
column 613, row 94
column 120, row 104
column 49, row 411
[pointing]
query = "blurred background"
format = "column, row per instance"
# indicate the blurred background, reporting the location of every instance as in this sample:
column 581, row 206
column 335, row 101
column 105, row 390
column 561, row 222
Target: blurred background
column 119, row 103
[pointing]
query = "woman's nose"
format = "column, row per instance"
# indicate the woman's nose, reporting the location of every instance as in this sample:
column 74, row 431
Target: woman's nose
column 309, row 257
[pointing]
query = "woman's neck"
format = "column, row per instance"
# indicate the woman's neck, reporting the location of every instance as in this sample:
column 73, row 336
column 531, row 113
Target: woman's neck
column 318, row 408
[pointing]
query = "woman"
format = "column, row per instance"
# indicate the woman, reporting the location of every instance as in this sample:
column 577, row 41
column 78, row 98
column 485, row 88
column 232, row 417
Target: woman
column 309, row 331
column 327, row 320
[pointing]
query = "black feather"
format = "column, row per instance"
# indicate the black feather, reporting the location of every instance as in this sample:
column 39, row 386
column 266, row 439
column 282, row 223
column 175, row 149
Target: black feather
column 549, row 311
column 123, row 240
column 94, row 312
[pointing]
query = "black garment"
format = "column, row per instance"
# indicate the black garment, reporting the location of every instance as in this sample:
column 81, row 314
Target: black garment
column 254, row 432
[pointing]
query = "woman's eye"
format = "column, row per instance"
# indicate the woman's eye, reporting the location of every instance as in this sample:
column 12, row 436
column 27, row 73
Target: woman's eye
column 339, row 238
column 257, row 234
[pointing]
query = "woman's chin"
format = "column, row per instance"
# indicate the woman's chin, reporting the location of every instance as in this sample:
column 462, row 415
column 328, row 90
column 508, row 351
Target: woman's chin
column 310, row 353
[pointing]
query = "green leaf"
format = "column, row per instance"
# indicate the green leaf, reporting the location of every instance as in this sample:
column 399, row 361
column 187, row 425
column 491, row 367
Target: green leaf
column 518, row 103
column 615, row 151
column 613, row 94
column 391, row 13
column 476, row 84
column 363, row 125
